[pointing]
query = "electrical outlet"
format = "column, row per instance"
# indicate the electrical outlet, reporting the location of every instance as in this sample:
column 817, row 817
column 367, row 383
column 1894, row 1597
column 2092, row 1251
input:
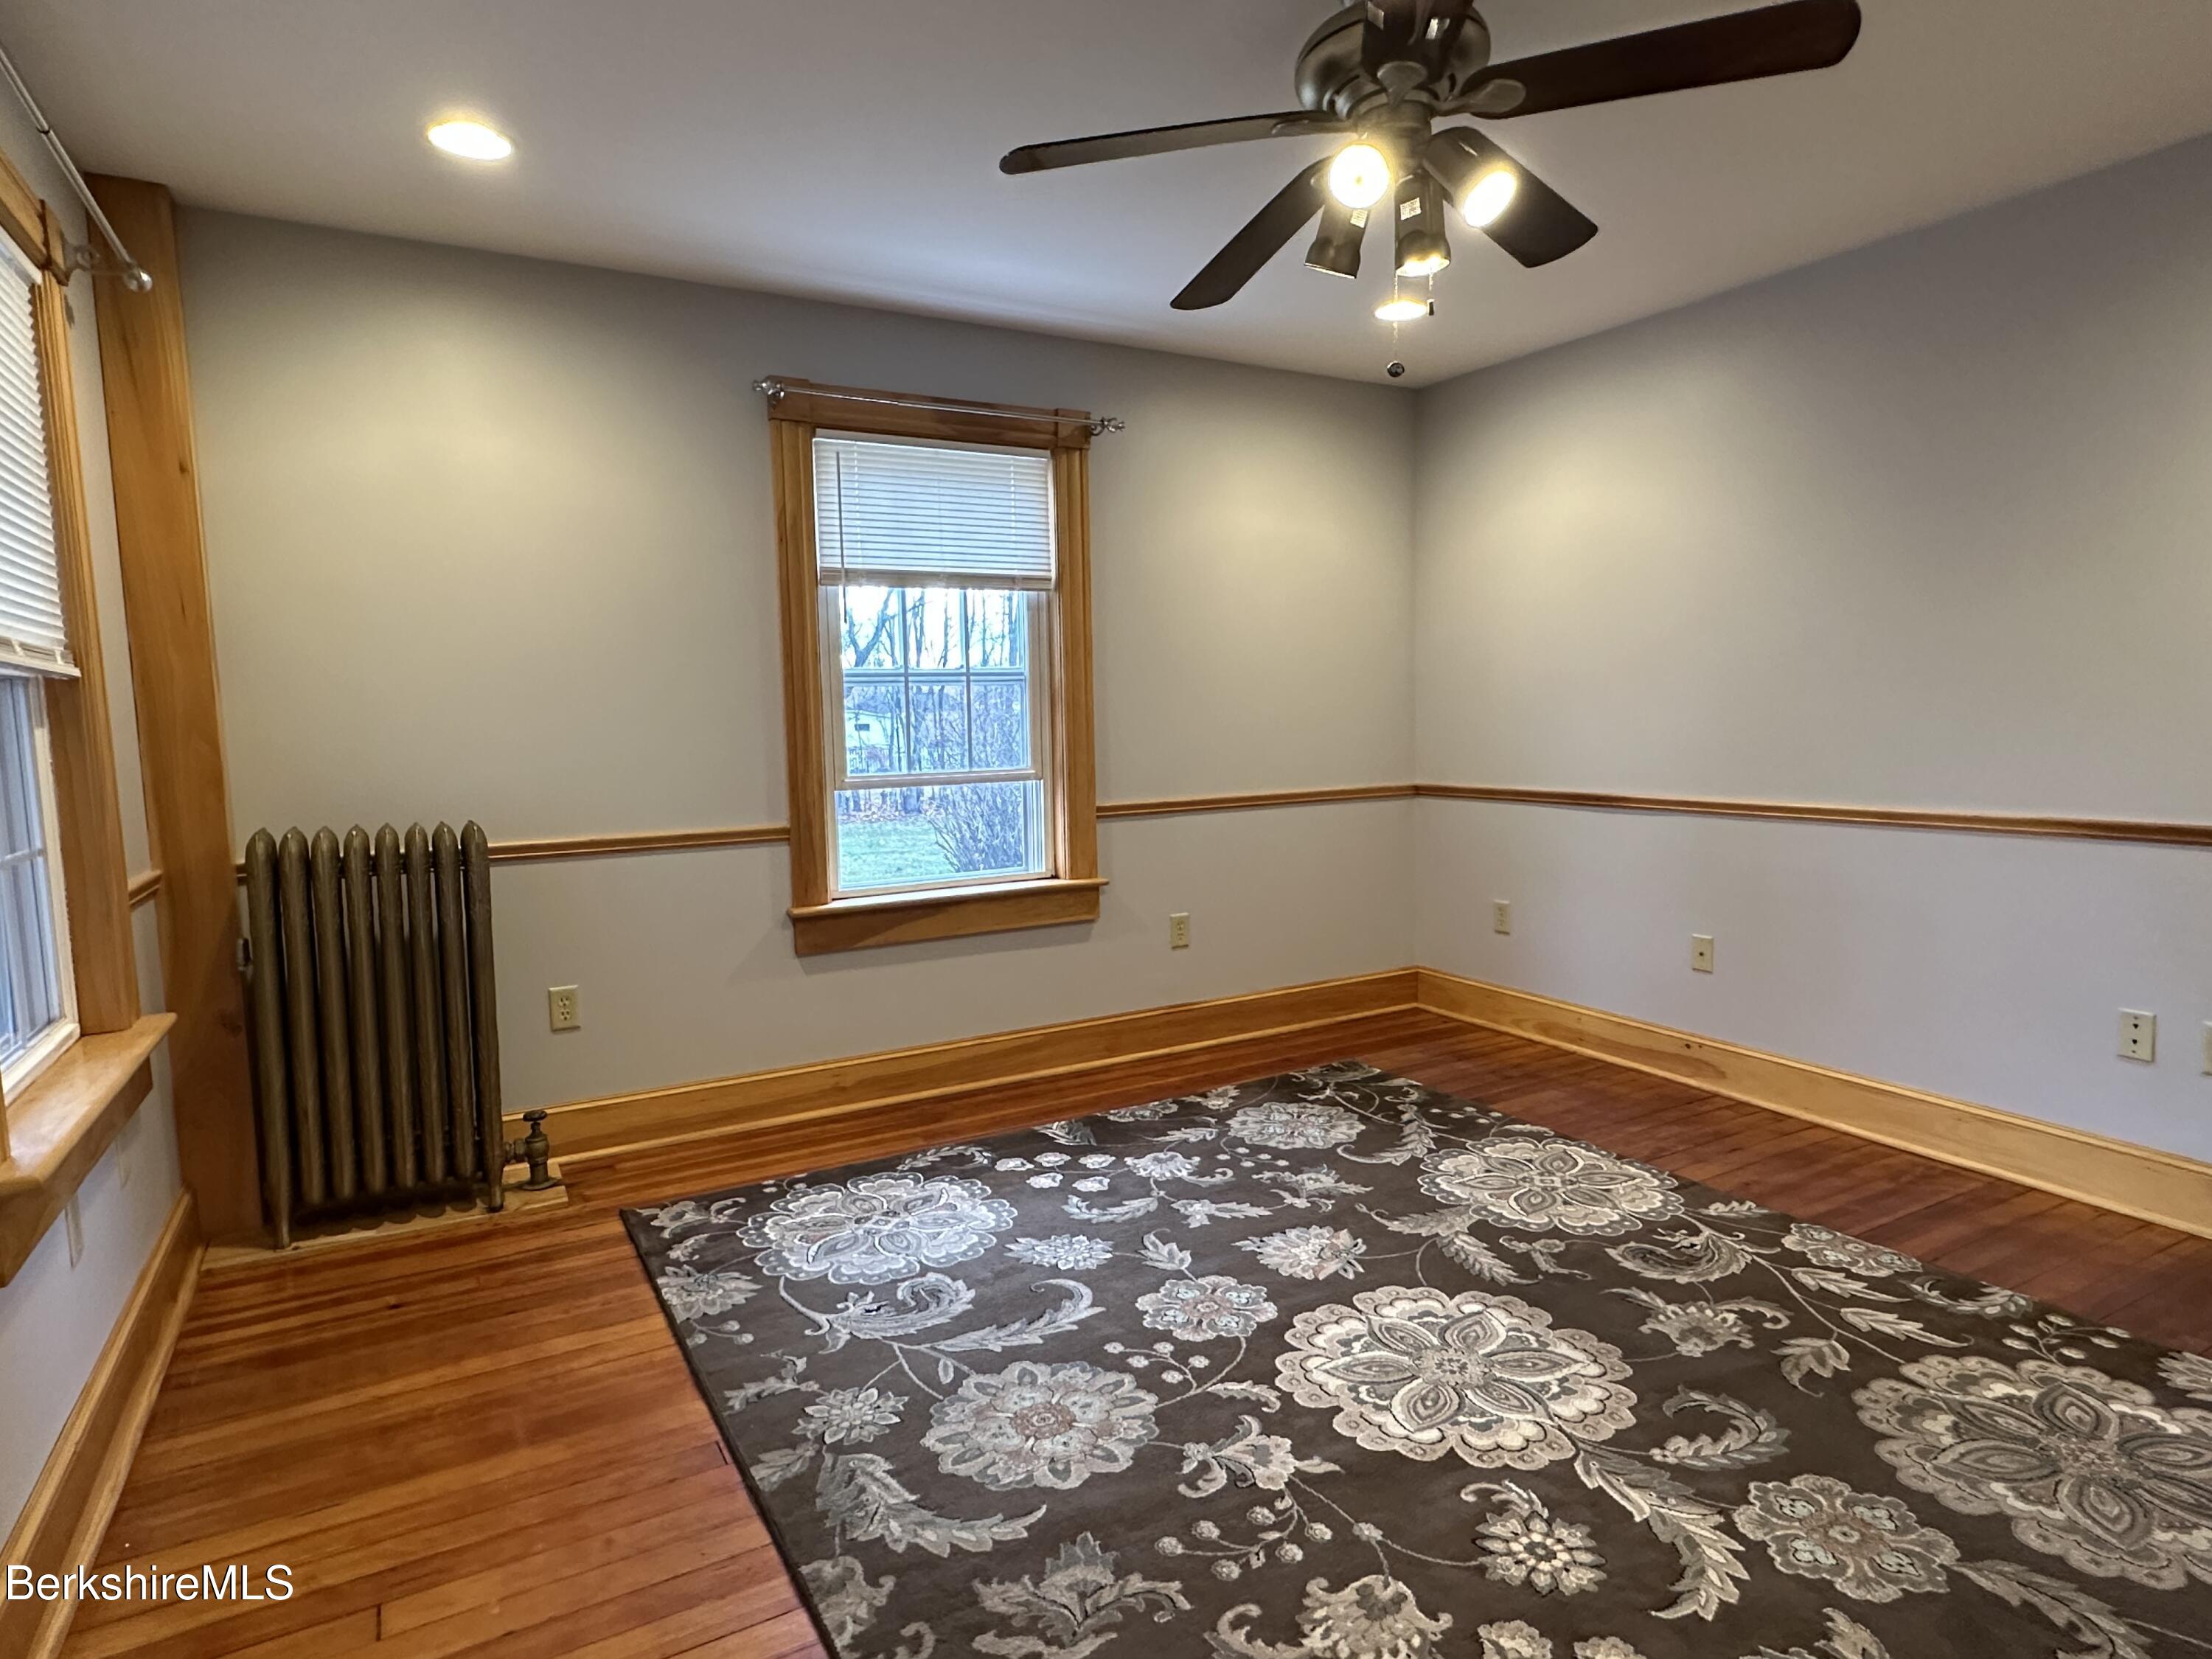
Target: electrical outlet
column 1179, row 931
column 561, row 1007
column 1701, row 953
column 1501, row 916
column 73, row 1220
column 2138, row 1035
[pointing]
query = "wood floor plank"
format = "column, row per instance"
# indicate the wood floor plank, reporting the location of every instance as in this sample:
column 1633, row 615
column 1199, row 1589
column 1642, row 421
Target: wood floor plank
column 484, row 1442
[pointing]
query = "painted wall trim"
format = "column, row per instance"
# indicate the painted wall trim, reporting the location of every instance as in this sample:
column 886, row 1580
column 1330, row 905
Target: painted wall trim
column 2152, row 832
column 2115, row 1174
column 589, row 1129
column 70, row 1507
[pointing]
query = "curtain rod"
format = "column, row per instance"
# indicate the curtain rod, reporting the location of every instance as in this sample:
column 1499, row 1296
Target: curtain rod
column 76, row 256
column 773, row 389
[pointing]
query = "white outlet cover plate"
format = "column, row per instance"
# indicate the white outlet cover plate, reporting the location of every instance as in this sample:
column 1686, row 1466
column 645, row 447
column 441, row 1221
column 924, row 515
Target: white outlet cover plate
column 2138, row 1035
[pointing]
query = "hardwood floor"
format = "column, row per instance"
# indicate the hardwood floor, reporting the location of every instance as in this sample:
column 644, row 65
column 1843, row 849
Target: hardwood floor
column 485, row 1442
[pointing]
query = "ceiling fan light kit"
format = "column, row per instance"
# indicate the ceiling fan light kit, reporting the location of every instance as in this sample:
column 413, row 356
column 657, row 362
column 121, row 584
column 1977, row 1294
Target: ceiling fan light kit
column 1336, row 249
column 1383, row 75
column 1422, row 247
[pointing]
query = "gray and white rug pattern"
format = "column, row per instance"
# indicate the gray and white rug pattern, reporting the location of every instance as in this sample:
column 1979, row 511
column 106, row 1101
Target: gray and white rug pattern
column 1334, row 1364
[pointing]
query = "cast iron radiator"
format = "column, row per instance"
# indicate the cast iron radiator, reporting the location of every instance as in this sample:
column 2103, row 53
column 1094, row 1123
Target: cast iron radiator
column 375, row 1039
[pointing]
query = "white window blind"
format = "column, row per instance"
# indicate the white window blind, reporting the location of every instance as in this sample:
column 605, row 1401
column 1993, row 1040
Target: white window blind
column 906, row 514
column 31, row 631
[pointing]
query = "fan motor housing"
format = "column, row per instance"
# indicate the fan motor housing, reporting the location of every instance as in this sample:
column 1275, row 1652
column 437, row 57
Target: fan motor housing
column 1332, row 79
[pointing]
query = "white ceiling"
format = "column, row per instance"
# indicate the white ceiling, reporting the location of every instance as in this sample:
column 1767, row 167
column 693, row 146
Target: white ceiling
column 848, row 149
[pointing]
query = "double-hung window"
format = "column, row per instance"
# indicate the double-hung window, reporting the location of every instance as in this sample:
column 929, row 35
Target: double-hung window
column 936, row 567
column 38, row 1002
column 937, row 668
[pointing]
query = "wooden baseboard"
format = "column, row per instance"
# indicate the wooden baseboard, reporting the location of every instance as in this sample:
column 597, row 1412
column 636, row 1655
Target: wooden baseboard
column 590, row 1130
column 2116, row 1175
column 2137, row 1181
column 61, row 1525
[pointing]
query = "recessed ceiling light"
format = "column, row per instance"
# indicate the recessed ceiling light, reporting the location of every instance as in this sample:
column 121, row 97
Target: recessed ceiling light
column 1402, row 310
column 472, row 141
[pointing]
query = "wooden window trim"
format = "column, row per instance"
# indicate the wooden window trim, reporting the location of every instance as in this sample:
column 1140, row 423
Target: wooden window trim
column 796, row 411
column 63, row 1118
column 67, row 1117
column 33, row 224
column 90, row 831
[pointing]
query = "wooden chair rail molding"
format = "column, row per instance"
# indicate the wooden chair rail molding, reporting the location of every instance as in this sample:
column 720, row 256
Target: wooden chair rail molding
column 550, row 848
column 2151, row 832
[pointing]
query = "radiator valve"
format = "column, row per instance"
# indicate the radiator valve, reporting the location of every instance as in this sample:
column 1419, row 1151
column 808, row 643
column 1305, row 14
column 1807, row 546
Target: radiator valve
column 534, row 1149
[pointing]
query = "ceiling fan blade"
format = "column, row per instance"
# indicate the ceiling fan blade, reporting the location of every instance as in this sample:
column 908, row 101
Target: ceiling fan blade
column 1538, row 226
column 1159, row 141
column 1744, row 46
column 1250, row 248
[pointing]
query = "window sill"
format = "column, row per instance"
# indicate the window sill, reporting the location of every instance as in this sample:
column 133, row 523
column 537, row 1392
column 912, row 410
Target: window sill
column 859, row 924
column 68, row 1116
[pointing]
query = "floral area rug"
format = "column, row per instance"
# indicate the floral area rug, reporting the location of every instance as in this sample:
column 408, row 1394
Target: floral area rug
column 1333, row 1364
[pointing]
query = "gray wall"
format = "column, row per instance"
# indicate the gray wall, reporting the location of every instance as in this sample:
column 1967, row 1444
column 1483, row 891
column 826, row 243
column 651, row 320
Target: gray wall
column 492, row 538
column 1923, row 526
column 1920, row 527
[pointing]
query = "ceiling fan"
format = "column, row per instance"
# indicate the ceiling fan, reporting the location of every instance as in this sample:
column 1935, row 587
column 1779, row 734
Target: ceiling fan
column 1386, row 71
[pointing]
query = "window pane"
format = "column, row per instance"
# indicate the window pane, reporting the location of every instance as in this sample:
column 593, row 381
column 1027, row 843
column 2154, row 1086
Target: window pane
column 1000, row 710
column 998, row 629
column 934, row 637
column 873, row 626
column 30, row 986
column 951, row 832
column 940, row 723
column 875, row 728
